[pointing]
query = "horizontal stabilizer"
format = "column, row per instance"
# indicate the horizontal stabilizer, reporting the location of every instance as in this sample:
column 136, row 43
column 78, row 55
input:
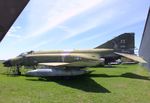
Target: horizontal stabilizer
column 55, row 64
column 132, row 57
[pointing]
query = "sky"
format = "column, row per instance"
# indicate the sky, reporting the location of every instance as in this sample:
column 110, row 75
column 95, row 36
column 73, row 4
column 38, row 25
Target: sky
column 73, row 24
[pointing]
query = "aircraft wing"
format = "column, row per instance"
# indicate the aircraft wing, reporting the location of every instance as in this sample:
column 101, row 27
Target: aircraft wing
column 132, row 57
column 9, row 11
column 54, row 64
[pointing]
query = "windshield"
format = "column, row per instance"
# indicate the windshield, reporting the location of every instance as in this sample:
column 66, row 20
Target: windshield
column 25, row 53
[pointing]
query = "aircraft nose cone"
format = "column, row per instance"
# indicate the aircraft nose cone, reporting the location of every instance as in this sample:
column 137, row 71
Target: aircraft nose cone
column 28, row 73
column 7, row 63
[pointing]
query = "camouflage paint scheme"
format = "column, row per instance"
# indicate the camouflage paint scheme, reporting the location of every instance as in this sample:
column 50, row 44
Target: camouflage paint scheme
column 76, row 58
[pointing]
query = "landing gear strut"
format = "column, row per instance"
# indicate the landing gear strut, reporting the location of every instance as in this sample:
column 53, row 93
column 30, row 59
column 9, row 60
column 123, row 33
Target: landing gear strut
column 15, row 70
column 18, row 71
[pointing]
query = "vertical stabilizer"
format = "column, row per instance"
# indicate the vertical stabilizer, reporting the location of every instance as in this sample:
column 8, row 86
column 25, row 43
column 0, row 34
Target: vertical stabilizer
column 123, row 43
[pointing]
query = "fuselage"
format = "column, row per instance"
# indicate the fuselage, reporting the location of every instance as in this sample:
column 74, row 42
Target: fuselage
column 76, row 58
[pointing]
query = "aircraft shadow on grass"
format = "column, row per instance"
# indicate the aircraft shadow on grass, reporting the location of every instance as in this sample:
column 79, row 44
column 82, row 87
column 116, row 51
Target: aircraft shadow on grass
column 84, row 83
column 125, row 75
column 87, row 84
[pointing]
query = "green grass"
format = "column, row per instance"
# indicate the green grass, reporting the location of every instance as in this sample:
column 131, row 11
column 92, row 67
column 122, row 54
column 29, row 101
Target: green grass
column 120, row 84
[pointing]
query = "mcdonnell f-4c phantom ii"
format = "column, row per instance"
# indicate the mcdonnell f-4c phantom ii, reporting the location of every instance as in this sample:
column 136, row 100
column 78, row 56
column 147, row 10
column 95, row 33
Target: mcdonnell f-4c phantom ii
column 65, row 63
column 61, row 63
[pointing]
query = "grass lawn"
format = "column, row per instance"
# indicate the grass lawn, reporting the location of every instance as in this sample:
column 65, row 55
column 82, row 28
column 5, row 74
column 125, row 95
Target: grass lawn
column 119, row 84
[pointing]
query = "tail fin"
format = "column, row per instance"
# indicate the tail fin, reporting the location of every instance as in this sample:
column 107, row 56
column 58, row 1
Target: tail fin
column 123, row 43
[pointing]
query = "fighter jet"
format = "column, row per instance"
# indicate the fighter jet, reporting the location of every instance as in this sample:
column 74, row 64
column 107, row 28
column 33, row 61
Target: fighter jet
column 71, row 61
column 63, row 63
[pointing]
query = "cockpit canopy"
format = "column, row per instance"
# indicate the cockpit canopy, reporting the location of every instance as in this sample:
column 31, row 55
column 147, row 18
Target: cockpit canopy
column 25, row 53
